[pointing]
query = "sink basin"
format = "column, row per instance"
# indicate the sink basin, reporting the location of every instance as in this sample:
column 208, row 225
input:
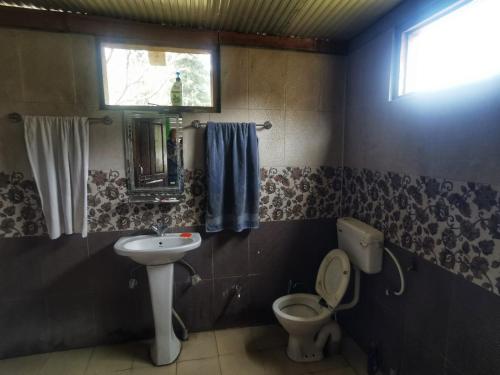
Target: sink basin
column 152, row 250
column 158, row 253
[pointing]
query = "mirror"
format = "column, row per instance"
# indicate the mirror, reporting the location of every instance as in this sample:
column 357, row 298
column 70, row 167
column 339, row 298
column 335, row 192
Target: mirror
column 153, row 152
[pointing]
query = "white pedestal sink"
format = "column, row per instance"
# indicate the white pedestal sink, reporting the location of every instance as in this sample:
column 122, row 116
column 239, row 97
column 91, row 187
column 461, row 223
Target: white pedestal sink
column 158, row 253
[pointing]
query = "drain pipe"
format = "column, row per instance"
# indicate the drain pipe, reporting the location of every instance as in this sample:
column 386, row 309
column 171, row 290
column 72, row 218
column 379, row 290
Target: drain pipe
column 330, row 331
column 357, row 282
column 195, row 277
column 401, row 275
column 184, row 333
column 355, row 299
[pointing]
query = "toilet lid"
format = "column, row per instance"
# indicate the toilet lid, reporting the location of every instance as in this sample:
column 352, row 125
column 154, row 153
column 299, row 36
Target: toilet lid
column 333, row 277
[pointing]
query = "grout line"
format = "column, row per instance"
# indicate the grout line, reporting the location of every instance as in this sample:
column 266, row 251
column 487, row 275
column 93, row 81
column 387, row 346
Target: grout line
column 216, row 343
column 448, row 321
column 285, row 108
column 44, row 363
column 219, row 365
column 89, row 359
column 73, row 68
column 215, row 340
column 344, row 122
column 247, row 53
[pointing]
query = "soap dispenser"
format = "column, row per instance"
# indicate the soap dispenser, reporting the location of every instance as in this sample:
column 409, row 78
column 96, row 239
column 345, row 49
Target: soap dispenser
column 176, row 91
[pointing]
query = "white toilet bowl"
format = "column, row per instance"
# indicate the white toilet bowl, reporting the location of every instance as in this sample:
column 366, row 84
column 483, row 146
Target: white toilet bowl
column 308, row 322
column 302, row 317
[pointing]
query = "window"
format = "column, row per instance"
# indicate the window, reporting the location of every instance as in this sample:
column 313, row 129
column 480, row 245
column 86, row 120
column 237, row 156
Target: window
column 142, row 76
column 457, row 46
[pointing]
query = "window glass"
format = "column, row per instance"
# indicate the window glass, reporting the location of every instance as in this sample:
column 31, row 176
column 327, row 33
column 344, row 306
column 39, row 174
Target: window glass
column 144, row 75
column 460, row 46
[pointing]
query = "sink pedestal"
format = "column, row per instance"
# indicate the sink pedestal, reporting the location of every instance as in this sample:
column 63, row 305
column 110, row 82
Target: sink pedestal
column 159, row 253
column 166, row 346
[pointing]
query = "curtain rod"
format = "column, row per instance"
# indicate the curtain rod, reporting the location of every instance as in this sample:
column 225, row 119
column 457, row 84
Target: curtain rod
column 106, row 120
column 197, row 124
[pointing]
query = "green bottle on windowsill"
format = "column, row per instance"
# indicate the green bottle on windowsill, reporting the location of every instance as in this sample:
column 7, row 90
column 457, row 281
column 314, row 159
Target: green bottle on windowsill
column 176, row 91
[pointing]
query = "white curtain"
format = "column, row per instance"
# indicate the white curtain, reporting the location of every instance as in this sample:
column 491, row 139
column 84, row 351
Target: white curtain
column 58, row 151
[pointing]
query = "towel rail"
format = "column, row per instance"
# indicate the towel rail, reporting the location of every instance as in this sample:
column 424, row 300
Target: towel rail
column 106, row 120
column 197, row 125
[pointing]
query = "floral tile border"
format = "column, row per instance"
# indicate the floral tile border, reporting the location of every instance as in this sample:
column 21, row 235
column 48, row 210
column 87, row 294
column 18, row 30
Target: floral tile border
column 109, row 209
column 287, row 193
column 300, row 193
column 20, row 207
column 453, row 224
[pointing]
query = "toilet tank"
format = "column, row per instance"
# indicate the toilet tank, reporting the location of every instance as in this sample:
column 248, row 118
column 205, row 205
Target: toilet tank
column 362, row 243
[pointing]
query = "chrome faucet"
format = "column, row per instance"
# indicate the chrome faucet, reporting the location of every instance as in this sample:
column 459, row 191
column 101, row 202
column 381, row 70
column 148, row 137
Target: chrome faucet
column 160, row 229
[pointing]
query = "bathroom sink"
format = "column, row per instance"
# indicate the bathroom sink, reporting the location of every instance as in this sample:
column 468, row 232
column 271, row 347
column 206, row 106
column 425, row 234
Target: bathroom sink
column 153, row 250
column 158, row 253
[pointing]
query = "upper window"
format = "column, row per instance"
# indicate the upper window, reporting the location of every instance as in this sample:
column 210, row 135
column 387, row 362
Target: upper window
column 457, row 46
column 141, row 76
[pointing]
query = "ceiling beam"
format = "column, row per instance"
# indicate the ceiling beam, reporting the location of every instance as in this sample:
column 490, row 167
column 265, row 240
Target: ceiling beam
column 123, row 29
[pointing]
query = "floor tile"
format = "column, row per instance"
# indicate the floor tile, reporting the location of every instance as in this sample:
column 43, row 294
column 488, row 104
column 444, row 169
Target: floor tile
column 344, row 371
column 275, row 361
column 23, row 365
column 266, row 362
column 155, row 370
column 70, row 362
column 354, row 355
column 250, row 339
column 205, row 366
column 200, row 345
column 250, row 350
column 106, row 359
column 141, row 355
column 331, row 365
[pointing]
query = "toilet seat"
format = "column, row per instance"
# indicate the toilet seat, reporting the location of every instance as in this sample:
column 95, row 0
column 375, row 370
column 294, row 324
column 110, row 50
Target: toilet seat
column 300, row 307
column 333, row 277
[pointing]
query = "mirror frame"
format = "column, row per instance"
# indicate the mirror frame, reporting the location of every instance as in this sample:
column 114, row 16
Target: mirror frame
column 216, row 80
column 153, row 194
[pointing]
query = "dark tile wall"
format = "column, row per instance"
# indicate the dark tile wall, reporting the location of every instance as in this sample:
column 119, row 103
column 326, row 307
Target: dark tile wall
column 443, row 324
column 243, row 273
column 73, row 292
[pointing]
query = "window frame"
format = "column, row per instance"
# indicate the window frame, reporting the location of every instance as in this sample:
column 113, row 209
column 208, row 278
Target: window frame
column 400, row 43
column 215, row 62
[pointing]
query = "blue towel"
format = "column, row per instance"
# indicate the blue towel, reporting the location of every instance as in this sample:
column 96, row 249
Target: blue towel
column 233, row 177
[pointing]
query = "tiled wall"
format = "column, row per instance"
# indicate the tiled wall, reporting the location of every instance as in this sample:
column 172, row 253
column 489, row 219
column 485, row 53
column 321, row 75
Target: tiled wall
column 452, row 224
column 300, row 93
column 424, row 169
column 443, row 324
column 72, row 291
column 286, row 194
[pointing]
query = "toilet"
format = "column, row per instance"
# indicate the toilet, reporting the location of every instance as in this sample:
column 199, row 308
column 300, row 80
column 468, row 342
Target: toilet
column 308, row 317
